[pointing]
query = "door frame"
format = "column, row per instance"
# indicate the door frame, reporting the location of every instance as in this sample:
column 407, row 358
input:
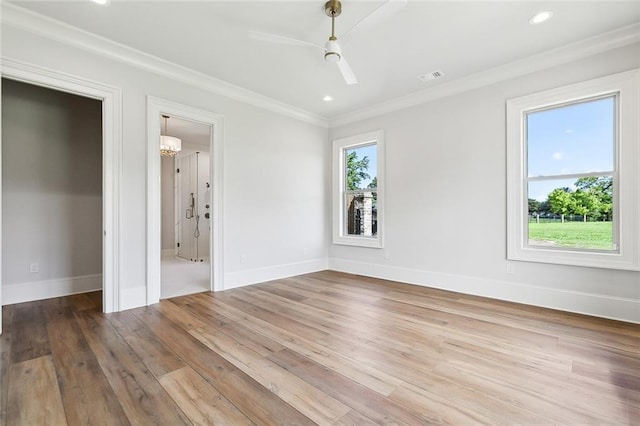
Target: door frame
column 155, row 108
column 111, row 98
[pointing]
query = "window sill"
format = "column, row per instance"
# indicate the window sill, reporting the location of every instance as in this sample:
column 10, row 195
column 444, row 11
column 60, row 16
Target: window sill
column 369, row 242
column 604, row 260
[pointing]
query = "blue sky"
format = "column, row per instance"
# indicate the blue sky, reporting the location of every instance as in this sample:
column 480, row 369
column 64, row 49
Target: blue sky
column 369, row 151
column 577, row 138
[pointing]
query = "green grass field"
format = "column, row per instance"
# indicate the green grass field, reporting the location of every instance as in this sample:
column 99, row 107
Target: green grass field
column 587, row 235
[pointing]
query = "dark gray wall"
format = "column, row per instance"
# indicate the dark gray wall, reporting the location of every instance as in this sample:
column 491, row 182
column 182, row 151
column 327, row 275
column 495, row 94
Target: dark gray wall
column 51, row 184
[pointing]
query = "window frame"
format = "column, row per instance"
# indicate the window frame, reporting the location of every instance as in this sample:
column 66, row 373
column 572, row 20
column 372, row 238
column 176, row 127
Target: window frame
column 626, row 174
column 339, row 191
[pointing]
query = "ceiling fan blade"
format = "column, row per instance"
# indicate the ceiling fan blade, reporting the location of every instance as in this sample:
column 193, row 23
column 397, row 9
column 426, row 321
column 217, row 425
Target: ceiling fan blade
column 273, row 38
column 385, row 11
column 346, row 71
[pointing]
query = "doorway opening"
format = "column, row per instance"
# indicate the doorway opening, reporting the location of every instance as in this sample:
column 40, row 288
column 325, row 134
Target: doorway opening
column 52, row 193
column 109, row 236
column 209, row 143
column 186, row 204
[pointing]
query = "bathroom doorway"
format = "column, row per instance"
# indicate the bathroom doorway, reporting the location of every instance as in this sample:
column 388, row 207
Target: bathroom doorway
column 186, row 206
column 214, row 125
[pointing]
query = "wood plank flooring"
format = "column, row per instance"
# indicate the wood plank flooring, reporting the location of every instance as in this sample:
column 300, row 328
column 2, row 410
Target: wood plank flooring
column 323, row 348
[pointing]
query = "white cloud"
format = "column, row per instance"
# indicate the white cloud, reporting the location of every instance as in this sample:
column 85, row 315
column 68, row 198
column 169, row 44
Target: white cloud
column 558, row 156
column 568, row 131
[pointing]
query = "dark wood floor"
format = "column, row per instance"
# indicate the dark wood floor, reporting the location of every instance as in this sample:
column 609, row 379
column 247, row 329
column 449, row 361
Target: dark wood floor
column 324, row 348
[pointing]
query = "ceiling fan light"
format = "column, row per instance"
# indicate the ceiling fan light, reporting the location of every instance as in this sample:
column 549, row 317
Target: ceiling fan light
column 332, row 56
column 332, row 51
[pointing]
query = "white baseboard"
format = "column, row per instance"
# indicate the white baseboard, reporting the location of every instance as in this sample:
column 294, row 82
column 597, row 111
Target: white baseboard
column 135, row 297
column 39, row 290
column 618, row 308
column 254, row 276
column 168, row 252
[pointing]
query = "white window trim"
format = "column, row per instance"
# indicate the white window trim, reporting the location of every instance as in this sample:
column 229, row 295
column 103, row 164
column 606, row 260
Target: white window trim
column 627, row 176
column 339, row 233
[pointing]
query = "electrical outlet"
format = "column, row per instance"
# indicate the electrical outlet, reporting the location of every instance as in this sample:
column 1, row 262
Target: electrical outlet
column 387, row 255
column 305, row 251
column 243, row 258
column 34, row 267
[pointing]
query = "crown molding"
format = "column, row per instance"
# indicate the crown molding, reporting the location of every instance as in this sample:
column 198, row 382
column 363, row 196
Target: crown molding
column 35, row 23
column 564, row 54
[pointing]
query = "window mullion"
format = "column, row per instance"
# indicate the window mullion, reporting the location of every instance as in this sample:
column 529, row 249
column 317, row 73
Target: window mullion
column 570, row 176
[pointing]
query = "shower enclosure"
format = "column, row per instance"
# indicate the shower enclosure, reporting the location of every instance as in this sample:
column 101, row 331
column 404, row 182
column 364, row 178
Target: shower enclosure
column 193, row 207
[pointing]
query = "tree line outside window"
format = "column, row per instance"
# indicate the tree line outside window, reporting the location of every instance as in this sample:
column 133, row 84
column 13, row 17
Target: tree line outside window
column 591, row 200
column 361, row 197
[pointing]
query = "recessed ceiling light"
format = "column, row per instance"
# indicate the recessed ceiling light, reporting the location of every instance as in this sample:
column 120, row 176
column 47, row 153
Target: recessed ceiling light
column 102, row 2
column 541, row 17
column 327, row 98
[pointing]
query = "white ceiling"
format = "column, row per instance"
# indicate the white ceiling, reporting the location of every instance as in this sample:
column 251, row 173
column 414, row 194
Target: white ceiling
column 459, row 38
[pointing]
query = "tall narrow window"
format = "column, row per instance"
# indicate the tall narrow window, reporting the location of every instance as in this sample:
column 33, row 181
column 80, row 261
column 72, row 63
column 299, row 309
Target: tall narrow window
column 358, row 170
column 573, row 168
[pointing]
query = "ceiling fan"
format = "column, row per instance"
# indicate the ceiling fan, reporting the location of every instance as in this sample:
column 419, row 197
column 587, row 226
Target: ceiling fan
column 332, row 50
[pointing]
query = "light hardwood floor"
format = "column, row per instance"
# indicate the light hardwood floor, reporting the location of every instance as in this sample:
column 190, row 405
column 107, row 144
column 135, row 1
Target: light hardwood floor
column 325, row 348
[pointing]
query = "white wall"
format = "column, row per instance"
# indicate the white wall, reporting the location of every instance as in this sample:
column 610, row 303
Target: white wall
column 278, row 189
column 274, row 169
column 51, row 188
column 168, row 227
column 446, row 195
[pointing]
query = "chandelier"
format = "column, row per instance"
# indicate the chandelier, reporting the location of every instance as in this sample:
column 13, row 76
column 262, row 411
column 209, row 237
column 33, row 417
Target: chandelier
column 169, row 145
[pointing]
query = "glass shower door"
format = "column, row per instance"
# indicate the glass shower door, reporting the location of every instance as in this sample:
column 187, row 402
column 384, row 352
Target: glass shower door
column 193, row 207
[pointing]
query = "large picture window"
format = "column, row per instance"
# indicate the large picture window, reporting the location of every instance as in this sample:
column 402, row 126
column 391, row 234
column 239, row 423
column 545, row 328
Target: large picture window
column 358, row 194
column 573, row 174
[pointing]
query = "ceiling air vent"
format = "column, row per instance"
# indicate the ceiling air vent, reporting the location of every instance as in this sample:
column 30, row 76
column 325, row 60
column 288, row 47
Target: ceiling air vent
column 431, row 75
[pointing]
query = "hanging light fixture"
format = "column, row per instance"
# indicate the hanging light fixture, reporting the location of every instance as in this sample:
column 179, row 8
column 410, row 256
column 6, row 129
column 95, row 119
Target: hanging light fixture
column 169, row 145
